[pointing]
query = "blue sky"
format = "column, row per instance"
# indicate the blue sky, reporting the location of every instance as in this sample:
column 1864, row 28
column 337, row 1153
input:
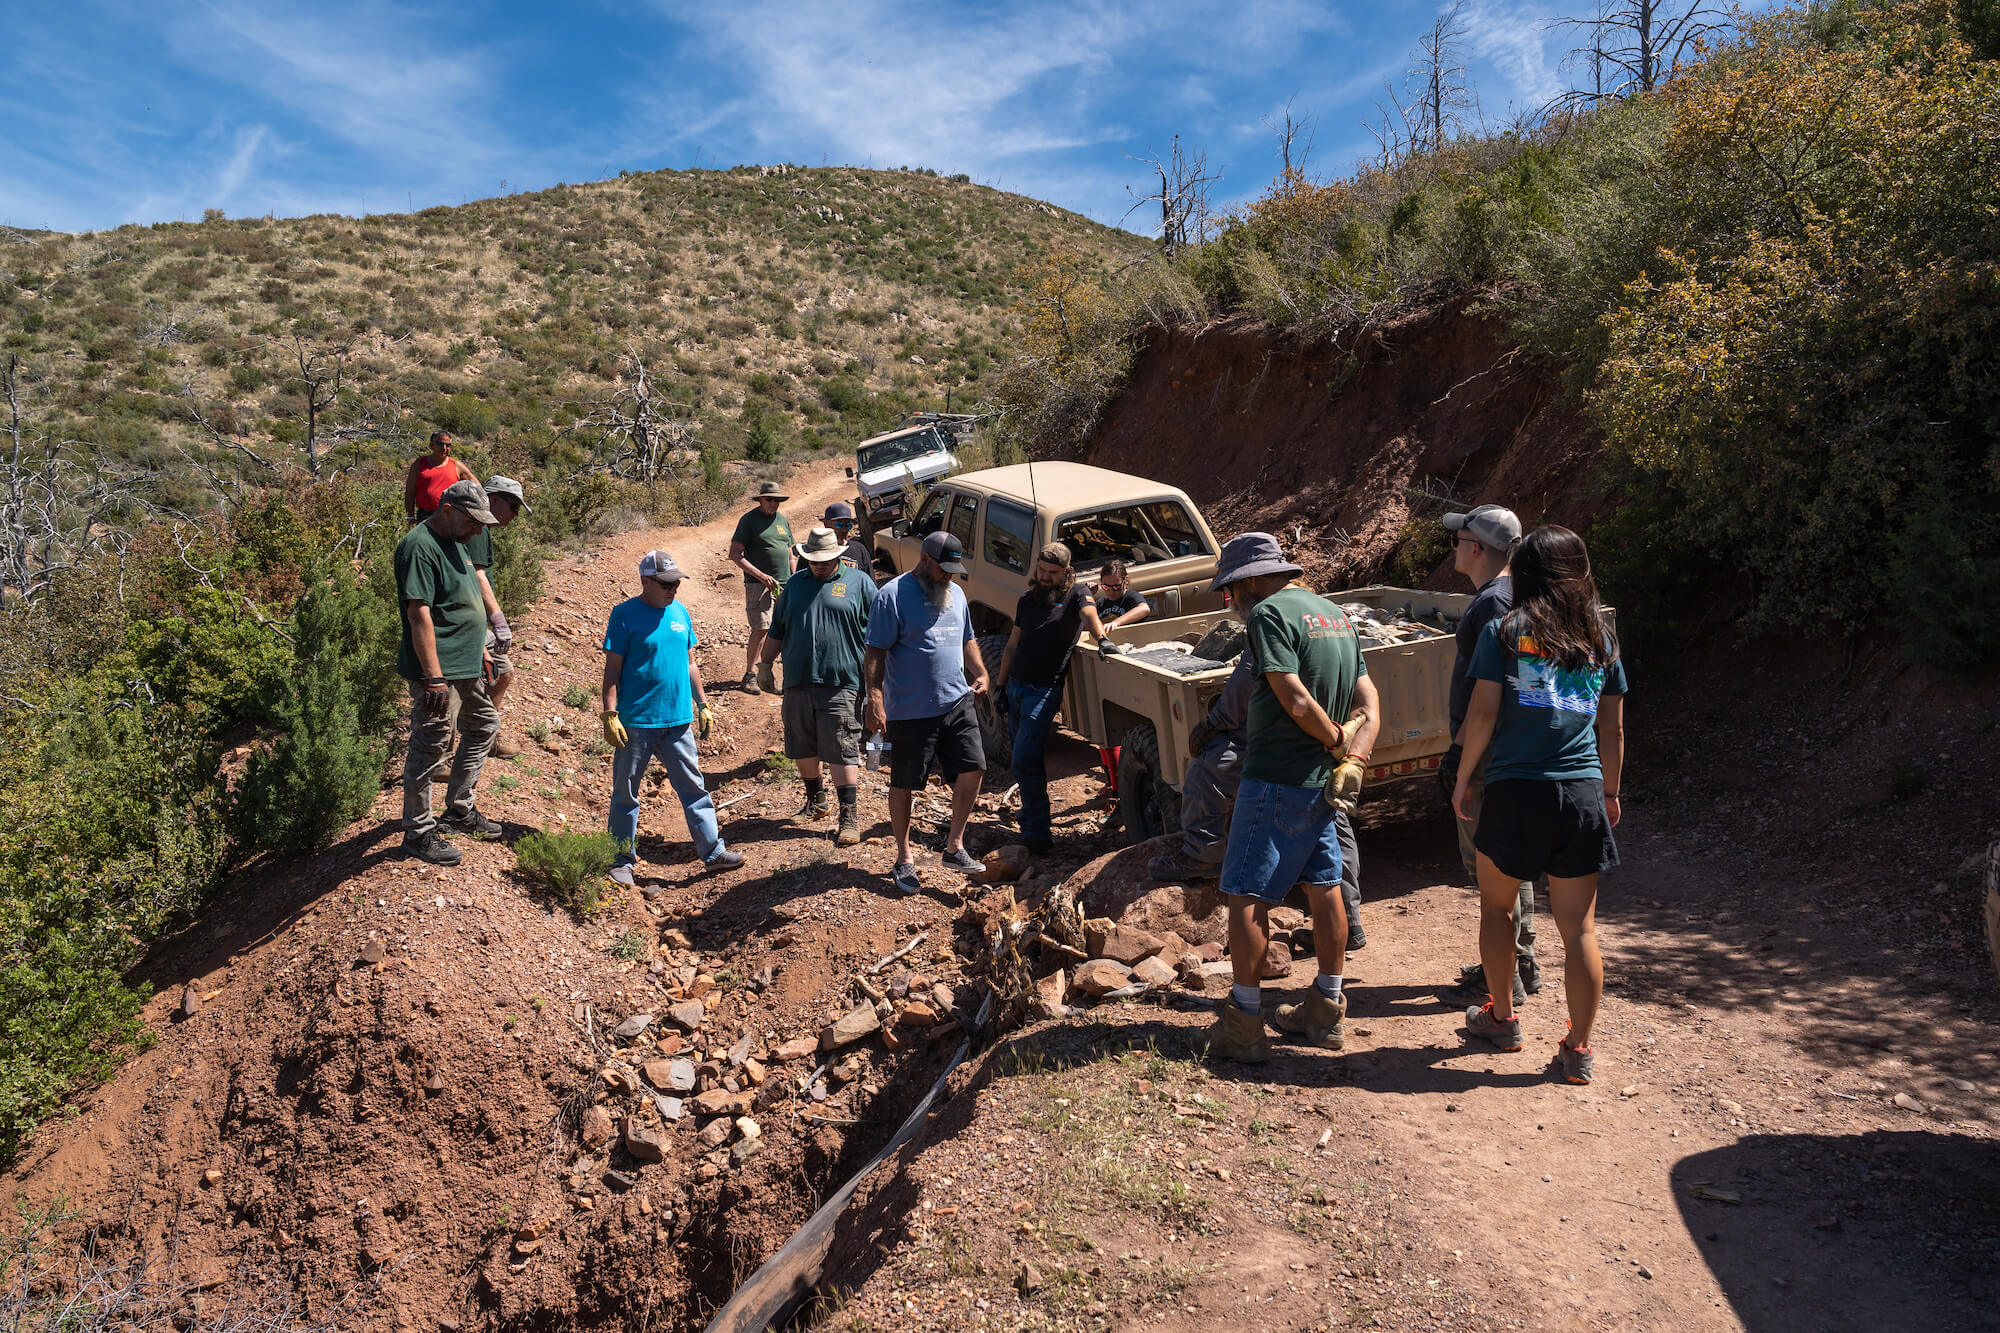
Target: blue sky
column 119, row 112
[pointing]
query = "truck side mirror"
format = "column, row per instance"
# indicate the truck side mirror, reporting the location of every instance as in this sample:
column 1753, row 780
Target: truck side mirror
column 900, row 528
column 850, row 472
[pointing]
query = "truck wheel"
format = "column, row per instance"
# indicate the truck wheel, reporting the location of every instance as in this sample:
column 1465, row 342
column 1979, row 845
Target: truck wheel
column 1993, row 906
column 1150, row 806
column 997, row 739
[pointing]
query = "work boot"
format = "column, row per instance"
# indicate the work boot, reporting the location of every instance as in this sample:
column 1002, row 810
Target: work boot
column 1239, row 1036
column 1177, row 867
column 749, row 683
column 471, row 823
column 1316, row 1018
column 1527, row 975
column 850, row 827
column 432, row 847
column 503, row 748
column 1357, row 938
column 1470, row 988
column 815, row 809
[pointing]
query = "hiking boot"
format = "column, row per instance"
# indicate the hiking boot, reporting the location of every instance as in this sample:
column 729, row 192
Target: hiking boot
column 903, row 879
column 814, row 810
column 1470, row 988
column 432, row 847
column 1357, row 938
column 964, row 862
column 1239, row 1036
column 726, row 859
column 1527, row 976
column 749, row 683
column 1576, row 1063
column 472, row 824
column 621, row 875
column 1177, row 867
column 1317, row 1018
column 850, row 827
column 504, row 748
column 1502, row 1032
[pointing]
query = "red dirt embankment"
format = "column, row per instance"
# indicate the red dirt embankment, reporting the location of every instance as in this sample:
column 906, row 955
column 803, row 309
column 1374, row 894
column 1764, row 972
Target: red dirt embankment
column 1325, row 443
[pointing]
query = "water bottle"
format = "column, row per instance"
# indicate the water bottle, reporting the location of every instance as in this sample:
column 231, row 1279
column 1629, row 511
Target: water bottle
column 875, row 751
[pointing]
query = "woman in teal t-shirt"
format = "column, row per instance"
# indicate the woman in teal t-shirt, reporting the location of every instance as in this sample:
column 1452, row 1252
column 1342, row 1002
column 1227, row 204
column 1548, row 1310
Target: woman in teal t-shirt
column 1549, row 696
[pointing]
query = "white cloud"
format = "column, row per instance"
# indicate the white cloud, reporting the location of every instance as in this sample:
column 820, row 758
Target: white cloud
column 1514, row 39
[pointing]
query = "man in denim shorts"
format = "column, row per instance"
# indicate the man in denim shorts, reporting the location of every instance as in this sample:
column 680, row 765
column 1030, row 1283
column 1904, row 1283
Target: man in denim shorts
column 1308, row 673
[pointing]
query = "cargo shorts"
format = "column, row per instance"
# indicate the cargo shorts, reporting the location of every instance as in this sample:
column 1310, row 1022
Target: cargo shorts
column 758, row 603
column 821, row 722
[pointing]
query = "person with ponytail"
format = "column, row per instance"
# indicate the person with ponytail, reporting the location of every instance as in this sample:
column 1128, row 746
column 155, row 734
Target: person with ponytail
column 1548, row 698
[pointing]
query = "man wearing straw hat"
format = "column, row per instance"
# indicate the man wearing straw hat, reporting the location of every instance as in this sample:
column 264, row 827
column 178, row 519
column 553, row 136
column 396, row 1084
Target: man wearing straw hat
column 820, row 624
column 761, row 547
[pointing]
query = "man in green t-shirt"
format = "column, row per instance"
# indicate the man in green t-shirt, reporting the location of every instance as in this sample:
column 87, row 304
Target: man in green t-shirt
column 442, row 654
column 821, row 626
column 1299, row 759
column 761, row 547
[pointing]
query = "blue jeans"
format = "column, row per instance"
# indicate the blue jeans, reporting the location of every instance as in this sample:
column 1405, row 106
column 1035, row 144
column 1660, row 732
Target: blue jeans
column 1278, row 837
column 674, row 748
column 1031, row 710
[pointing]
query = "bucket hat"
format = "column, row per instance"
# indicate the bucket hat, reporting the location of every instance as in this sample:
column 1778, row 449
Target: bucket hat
column 1249, row 556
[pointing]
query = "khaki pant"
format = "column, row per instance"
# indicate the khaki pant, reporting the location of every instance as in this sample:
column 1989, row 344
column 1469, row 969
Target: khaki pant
column 1524, row 904
column 478, row 723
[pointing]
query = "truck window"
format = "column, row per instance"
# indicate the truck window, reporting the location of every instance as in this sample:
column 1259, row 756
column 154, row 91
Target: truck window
column 1010, row 534
column 931, row 517
column 1138, row 534
column 964, row 517
column 891, row 453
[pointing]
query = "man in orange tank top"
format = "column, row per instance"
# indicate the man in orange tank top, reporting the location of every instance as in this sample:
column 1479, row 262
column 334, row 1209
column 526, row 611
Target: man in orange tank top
column 430, row 475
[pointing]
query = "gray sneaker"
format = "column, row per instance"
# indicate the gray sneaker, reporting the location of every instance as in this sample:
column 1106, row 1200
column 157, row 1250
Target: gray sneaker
column 1504, row 1033
column 433, row 848
column 620, row 875
column 1576, row 1063
column 903, row 879
column 1470, row 988
column 963, row 861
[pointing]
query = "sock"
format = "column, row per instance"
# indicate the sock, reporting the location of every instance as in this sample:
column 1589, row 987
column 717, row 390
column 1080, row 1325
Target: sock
column 1329, row 985
column 815, row 790
column 1250, row 999
column 846, row 794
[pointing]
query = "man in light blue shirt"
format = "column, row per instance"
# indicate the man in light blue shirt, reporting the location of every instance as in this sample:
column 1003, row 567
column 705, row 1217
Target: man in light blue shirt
column 923, row 672
column 653, row 705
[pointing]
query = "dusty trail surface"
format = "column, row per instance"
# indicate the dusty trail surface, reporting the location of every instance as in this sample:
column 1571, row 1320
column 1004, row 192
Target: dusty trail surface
column 425, row 1141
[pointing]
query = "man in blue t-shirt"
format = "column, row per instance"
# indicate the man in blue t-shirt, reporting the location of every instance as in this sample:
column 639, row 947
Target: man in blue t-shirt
column 653, row 706
column 1483, row 543
column 924, row 671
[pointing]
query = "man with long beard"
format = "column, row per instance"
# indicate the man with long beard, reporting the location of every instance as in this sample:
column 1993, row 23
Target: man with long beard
column 923, row 673
column 1032, row 672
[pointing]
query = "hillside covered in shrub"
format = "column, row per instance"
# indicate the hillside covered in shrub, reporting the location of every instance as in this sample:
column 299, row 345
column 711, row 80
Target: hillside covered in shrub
column 1773, row 281
column 202, row 438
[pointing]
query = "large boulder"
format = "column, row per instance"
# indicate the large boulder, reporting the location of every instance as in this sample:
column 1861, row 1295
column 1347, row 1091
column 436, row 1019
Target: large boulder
column 1117, row 886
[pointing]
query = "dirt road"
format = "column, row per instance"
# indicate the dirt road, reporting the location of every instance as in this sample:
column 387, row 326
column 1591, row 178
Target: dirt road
column 382, row 1129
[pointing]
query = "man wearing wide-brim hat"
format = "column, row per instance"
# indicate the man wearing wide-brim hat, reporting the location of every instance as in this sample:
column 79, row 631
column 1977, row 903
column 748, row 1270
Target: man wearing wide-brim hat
column 508, row 502
column 821, row 626
column 442, row 654
column 1313, row 717
column 761, row 547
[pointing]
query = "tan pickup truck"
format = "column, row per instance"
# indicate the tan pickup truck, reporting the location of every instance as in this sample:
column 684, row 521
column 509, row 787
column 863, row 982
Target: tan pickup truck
column 1147, row 699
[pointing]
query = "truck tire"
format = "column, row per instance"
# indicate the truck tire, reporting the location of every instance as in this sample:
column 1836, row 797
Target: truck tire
column 996, row 737
column 1993, row 906
column 1149, row 804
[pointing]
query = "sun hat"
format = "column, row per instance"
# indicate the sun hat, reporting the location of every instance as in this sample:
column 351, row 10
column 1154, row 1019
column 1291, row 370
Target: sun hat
column 507, row 486
column 770, row 490
column 1490, row 525
column 659, row 565
column 471, row 497
column 820, row 546
column 945, row 549
column 1249, row 556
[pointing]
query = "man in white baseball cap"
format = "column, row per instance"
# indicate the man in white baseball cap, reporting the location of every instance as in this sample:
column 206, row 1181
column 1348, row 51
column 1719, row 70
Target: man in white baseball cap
column 652, row 705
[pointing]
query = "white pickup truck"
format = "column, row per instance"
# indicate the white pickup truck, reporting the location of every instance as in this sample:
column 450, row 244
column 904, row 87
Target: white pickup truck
column 889, row 470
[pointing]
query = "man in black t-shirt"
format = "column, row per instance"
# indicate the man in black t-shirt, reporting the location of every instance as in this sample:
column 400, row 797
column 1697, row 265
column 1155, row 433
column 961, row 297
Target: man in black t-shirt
column 1032, row 672
column 840, row 517
column 1483, row 543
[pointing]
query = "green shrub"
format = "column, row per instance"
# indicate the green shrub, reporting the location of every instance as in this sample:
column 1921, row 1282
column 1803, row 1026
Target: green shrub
column 568, row 866
column 468, row 415
column 324, row 767
column 576, row 696
column 631, row 946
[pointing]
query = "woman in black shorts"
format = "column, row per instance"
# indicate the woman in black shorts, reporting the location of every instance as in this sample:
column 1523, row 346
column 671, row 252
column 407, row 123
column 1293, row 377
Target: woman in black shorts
column 1549, row 696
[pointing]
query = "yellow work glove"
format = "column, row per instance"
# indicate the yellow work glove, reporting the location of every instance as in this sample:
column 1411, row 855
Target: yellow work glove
column 704, row 720
column 1343, row 787
column 767, row 679
column 614, row 730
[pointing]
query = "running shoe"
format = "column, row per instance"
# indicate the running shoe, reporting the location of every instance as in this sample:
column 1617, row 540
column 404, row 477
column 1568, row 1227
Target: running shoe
column 432, row 847
column 1502, row 1032
column 1470, row 988
column 1576, row 1062
column 471, row 823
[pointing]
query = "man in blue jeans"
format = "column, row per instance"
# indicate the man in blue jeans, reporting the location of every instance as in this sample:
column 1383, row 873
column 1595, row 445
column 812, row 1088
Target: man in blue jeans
column 1032, row 672
column 652, row 706
column 1298, row 761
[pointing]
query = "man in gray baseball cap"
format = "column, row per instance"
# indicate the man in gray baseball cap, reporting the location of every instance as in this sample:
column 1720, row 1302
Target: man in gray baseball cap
column 443, row 655
column 1482, row 549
